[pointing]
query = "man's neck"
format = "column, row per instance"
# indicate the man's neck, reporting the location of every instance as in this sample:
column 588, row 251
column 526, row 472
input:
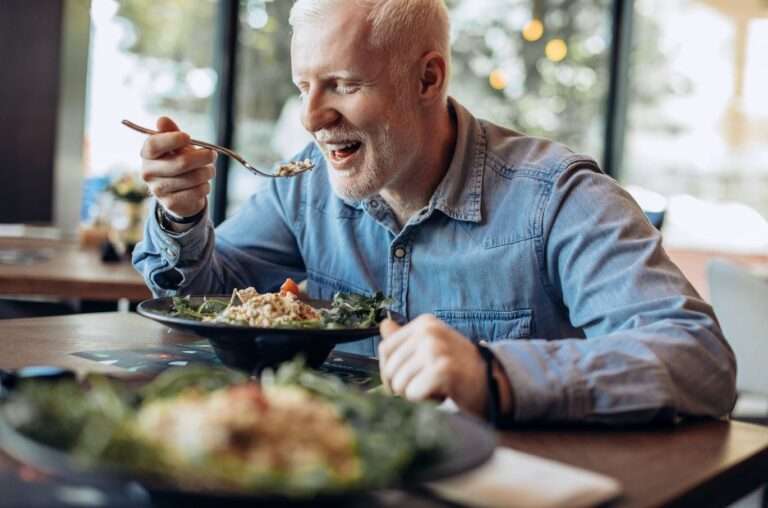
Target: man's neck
column 412, row 194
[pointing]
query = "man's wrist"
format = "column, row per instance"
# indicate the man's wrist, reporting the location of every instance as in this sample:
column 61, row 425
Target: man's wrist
column 499, row 400
column 506, row 394
column 175, row 224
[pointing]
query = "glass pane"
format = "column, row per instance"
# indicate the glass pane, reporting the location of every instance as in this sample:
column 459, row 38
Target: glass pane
column 147, row 58
column 539, row 66
column 698, row 111
column 267, row 129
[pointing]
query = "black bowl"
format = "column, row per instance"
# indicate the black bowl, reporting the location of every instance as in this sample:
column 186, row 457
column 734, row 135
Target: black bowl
column 250, row 348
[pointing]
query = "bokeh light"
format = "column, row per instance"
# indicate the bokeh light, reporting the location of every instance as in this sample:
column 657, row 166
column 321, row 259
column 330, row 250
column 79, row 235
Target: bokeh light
column 556, row 50
column 533, row 30
column 497, row 79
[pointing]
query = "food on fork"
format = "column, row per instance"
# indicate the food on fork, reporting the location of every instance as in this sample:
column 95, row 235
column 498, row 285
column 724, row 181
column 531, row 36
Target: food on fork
column 294, row 167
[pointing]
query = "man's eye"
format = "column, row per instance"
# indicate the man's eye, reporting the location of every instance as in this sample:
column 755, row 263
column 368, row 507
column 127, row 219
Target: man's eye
column 346, row 89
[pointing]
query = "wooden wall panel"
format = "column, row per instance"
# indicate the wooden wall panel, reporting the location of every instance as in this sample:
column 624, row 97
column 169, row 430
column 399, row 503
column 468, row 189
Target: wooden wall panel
column 30, row 35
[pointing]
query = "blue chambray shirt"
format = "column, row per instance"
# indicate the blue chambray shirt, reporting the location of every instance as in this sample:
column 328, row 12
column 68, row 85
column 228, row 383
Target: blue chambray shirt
column 524, row 244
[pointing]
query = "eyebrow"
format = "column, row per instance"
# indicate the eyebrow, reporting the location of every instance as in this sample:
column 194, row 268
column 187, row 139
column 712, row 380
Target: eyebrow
column 340, row 74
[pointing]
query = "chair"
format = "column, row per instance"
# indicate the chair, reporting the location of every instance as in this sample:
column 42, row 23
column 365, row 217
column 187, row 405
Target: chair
column 740, row 299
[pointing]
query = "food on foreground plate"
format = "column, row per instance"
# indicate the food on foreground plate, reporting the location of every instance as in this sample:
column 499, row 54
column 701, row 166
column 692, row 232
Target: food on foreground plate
column 298, row 433
column 248, row 307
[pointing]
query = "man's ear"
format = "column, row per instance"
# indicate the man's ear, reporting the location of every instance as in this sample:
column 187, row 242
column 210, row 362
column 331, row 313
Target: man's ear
column 432, row 76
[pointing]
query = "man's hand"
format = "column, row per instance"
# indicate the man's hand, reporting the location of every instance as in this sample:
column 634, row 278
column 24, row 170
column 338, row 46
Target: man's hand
column 177, row 174
column 427, row 359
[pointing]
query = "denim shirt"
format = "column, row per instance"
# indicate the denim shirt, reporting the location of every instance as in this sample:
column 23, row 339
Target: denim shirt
column 524, row 244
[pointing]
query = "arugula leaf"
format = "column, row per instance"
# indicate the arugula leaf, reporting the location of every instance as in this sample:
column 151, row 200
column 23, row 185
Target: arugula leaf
column 174, row 381
column 350, row 310
column 182, row 307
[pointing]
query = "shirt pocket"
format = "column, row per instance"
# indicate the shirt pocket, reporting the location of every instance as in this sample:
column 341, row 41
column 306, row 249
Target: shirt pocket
column 322, row 286
column 489, row 325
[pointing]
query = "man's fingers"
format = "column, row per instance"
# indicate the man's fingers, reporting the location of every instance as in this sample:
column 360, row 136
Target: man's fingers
column 177, row 164
column 162, row 187
column 392, row 336
column 388, row 327
column 395, row 359
column 427, row 384
column 165, row 124
column 158, row 145
column 187, row 202
column 400, row 378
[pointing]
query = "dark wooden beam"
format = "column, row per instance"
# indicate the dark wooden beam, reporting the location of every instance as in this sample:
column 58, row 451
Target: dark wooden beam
column 30, row 35
column 225, row 60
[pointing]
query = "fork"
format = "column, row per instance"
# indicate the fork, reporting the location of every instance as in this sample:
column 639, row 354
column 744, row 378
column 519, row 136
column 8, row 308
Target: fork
column 286, row 169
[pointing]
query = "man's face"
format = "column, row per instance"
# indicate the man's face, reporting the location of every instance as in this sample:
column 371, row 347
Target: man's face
column 360, row 116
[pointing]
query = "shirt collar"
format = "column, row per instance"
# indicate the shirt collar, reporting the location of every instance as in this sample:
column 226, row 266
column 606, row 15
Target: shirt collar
column 459, row 194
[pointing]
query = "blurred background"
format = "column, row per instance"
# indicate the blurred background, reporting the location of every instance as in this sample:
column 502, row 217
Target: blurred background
column 668, row 95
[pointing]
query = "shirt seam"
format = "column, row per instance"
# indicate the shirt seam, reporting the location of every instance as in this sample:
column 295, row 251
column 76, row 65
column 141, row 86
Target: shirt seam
column 543, row 239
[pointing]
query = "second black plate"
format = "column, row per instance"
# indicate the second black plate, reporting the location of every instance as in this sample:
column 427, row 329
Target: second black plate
column 251, row 348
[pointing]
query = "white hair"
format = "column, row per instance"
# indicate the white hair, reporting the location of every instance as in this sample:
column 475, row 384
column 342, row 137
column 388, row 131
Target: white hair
column 413, row 26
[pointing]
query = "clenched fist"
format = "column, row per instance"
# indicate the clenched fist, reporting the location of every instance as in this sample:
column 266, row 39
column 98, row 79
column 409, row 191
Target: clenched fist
column 178, row 175
column 427, row 359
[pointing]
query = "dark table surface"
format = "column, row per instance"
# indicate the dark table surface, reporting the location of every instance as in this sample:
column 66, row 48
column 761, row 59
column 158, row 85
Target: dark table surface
column 704, row 463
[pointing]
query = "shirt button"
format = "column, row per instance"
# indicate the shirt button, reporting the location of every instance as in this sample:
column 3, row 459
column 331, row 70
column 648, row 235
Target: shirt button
column 399, row 252
column 374, row 203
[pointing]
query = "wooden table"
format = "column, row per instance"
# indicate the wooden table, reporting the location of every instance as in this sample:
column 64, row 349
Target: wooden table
column 708, row 463
column 693, row 263
column 64, row 269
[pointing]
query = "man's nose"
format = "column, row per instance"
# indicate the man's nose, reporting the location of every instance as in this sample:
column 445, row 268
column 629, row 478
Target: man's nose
column 317, row 113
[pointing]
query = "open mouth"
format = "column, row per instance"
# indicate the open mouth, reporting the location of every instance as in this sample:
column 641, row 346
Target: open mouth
column 343, row 152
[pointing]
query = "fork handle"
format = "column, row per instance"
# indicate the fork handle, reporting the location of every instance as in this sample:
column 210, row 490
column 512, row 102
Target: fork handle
column 196, row 142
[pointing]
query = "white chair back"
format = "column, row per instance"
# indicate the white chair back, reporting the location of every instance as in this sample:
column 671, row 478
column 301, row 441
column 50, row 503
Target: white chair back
column 740, row 299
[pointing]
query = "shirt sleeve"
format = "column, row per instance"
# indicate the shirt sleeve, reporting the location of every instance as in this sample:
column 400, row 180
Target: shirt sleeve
column 653, row 348
column 255, row 247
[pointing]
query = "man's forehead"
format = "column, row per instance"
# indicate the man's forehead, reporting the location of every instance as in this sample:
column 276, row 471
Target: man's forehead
column 304, row 67
column 337, row 47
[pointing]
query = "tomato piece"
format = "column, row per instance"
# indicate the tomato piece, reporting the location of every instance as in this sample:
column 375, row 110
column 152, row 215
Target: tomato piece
column 289, row 286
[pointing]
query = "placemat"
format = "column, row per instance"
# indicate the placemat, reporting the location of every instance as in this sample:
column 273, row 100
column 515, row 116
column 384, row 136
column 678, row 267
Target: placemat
column 354, row 369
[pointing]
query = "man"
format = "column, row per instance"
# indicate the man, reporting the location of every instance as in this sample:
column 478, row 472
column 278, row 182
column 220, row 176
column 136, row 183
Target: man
column 476, row 232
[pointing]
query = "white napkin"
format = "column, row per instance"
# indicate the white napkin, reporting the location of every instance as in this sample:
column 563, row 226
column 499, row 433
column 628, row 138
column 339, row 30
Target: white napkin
column 513, row 479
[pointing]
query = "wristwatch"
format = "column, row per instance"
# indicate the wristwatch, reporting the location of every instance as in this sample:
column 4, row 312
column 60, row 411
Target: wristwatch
column 493, row 410
column 164, row 217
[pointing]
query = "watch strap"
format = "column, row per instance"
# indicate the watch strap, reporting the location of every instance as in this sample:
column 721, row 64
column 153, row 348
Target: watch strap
column 165, row 215
column 493, row 400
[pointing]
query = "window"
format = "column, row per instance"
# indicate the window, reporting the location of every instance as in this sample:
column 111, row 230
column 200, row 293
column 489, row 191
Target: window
column 697, row 116
column 147, row 58
column 541, row 68
column 698, row 111
column 267, row 126
column 538, row 66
